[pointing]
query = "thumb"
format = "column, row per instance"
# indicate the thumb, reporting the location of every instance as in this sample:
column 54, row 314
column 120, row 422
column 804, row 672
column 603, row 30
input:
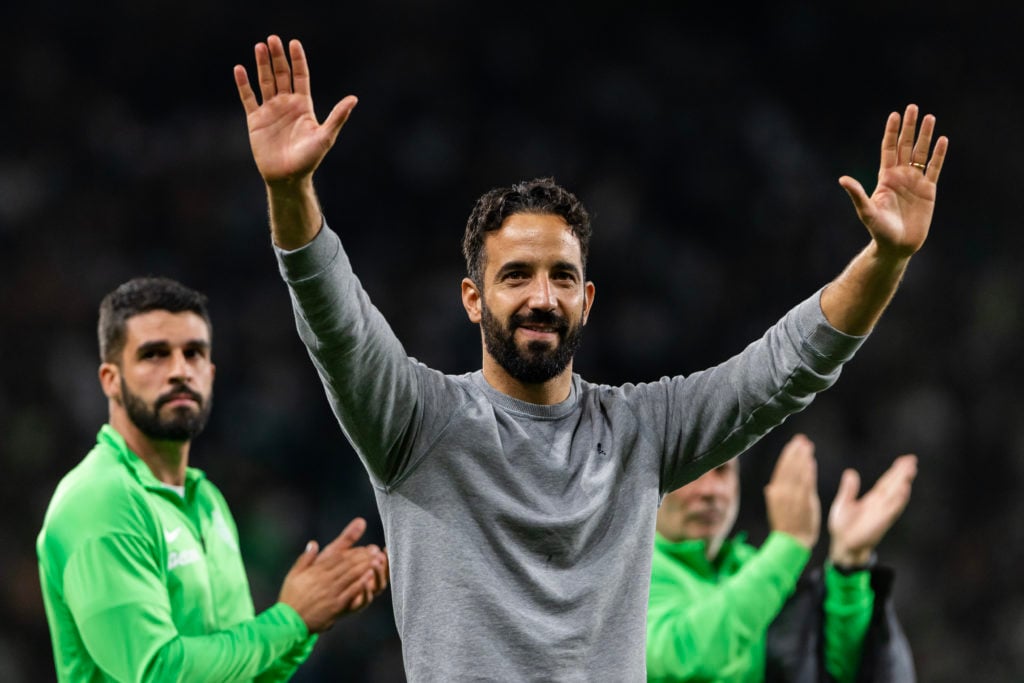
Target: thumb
column 338, row 116
column 857, row 195
column 849, row 485
column 307, row 556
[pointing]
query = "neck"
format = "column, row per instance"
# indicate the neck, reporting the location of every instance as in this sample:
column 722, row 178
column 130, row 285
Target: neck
column 553, row 391
column 166, row 459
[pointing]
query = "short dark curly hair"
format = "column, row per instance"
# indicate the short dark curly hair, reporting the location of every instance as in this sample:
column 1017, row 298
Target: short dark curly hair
column 538, row 196
column 141, row 295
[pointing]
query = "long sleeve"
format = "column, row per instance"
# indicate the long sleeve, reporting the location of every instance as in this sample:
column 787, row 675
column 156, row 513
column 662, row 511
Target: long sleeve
column 120, row 606
column 386, row 402
column 849, row 602
column 701, row 420
column 699, row 628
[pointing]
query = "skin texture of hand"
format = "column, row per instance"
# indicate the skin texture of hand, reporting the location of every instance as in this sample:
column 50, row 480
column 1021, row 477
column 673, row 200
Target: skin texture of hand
column 288, row 143
column 340, row 579
column 856, row 526
column 899, row 212
column 791, row 496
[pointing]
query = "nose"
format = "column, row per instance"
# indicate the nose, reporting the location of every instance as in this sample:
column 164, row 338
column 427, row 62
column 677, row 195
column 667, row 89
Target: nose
column 542, row 294
column 710, row 485
column 181, row 369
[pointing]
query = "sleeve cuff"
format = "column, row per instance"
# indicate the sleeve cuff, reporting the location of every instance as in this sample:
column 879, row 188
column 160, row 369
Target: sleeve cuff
column 312, row 258
column 786, row 554
column 818, row 335
column 850, row 591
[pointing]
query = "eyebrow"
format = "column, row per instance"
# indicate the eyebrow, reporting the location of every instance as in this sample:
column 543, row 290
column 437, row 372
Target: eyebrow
column 163, row 344
column 524, row 265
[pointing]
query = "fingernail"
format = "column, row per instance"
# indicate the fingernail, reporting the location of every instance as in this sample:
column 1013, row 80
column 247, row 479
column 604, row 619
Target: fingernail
column 309, row 546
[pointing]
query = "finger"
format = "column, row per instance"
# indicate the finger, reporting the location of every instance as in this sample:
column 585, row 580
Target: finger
column 924, row 141
column 381, row 572
column 895, row 482
column 300, row 68
column 347, row 538
column 860, row 199
column 307, row 557
column 353, row 596
column 245, row 92
column 889, row 138
column 906, row 139
column 938, row 156
column 264, row 72
column 339, row 116
column 278, row 60
column 789, row 453
column 849, row 485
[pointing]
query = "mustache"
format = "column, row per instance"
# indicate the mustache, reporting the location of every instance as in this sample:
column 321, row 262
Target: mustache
column 538, row 317
column 177, row 392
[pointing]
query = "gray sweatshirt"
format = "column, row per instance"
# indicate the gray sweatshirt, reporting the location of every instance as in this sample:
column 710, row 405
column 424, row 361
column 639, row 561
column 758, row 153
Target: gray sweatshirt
column 520, row 535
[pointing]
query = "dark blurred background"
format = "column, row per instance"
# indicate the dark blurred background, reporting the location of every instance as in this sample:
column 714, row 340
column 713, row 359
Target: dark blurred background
column 706, row 141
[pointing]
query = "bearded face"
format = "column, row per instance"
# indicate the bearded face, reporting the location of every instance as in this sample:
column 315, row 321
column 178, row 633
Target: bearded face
column 180, row 422
column 534, row 361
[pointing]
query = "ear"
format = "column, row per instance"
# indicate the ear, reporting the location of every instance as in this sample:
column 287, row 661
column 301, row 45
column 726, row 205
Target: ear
column 110, row 380
column 588, row 299
column 471, row 300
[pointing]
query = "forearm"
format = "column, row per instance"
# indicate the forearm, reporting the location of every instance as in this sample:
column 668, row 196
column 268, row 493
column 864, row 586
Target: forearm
column 855, row 300
column 696, row 630
column 295, row 214
column 718, row 413
column 849, row 601
column 136, row 643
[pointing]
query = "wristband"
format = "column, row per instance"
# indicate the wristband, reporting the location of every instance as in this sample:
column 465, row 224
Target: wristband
column 848, row 569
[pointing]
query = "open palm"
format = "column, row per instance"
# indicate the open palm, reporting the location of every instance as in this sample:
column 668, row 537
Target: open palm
column 899, row 211
column 287, row 141
column 856, row 526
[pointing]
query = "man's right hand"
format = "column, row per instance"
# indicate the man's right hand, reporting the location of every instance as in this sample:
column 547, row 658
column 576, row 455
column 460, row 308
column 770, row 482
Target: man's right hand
column 340, row 579
column 792, row 494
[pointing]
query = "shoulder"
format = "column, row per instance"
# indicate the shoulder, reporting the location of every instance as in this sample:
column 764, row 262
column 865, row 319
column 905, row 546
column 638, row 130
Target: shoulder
column 98, row 497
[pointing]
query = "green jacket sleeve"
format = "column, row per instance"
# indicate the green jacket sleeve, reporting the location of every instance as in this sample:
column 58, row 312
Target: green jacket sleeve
column 849, row 602
column 113, row 588
column 695, row 633
column 284, row 668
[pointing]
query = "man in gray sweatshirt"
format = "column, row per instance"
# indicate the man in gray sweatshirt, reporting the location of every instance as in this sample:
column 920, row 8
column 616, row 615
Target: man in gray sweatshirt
column 519, row 501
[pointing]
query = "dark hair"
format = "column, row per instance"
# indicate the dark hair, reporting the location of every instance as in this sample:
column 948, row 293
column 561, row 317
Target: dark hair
column 141, row 295
column 540, row 196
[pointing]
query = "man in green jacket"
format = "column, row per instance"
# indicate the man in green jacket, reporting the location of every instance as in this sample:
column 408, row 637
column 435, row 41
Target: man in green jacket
column 722, row 610
column 139, row 562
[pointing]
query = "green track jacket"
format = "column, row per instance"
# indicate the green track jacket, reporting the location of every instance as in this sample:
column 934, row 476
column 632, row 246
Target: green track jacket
column 142, row 585
column 709, row 623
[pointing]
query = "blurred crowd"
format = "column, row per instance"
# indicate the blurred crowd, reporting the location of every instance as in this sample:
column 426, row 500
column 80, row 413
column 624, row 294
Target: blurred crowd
column 707, row 147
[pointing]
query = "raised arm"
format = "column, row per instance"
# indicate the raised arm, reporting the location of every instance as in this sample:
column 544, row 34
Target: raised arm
column 287, row 142
column 897, row 215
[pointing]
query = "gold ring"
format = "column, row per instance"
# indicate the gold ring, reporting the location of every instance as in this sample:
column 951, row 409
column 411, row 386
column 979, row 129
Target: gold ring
column 917, row 165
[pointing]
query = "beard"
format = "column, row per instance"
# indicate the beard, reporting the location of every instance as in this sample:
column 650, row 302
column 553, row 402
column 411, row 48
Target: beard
column 183, row 424
column 539, row 361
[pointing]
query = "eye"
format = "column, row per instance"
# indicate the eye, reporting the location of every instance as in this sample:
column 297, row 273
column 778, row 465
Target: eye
column 515, row 275
column 194, row 353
